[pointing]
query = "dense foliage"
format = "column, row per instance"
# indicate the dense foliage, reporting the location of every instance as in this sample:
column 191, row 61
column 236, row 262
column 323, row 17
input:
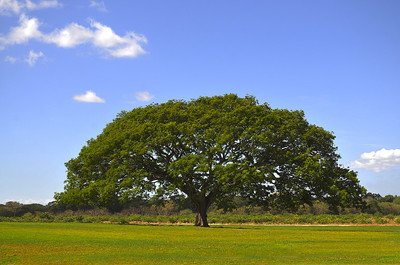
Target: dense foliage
column 210, row 151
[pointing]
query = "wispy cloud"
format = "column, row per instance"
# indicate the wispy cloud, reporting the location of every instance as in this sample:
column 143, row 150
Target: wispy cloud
column 143, row 96
column 10, row 59
column 98, row 35
column 89, row 97
column 29, row 201
column 8, row 7
column 99, row 5
column 33, row 57
column 41, row 4
column 378, row 160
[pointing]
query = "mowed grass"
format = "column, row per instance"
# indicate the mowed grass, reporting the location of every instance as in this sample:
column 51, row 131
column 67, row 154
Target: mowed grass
column 76, row 243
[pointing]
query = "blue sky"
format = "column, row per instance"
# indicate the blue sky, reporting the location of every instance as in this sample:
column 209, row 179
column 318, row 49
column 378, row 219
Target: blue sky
column 68, row 67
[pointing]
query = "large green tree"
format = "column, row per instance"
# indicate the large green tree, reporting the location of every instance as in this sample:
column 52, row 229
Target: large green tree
column 211, row 149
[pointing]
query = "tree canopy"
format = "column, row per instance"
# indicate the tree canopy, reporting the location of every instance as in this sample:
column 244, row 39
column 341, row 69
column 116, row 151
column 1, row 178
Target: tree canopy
column 211, row 150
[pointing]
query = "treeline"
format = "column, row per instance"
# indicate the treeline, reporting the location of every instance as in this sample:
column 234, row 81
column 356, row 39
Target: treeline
column 17, row 209
column 374, row 204
column 186, row 217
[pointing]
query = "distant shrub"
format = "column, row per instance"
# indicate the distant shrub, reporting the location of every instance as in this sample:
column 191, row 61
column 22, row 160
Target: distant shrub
column 320, row 208
column 28, row 217
column 381, row 220
column 186, row 212
column 389, row 208
column 45, row 217
column 396, row 200
column 362, row 219
column 123, row 221
column 91, row 219
column 68, row 219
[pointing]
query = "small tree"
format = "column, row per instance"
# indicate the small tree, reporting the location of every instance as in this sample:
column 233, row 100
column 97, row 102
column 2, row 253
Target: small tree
column 211, row 150
column 14, row 207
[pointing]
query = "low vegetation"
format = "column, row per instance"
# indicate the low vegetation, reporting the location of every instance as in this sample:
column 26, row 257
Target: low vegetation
column 378, row 210
column 215, row 218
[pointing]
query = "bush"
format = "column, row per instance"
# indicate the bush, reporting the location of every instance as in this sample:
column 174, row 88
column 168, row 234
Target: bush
column 28, row 217
column 123, row 221
column 320, row 208
column 186, row 212
column 362, row 219
column 389, row 208
column 91, row 219
column 46, row 217
column 396, row 200
column 381, row 220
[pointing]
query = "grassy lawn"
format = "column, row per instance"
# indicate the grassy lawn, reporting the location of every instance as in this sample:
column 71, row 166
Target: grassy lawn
column 75, row 243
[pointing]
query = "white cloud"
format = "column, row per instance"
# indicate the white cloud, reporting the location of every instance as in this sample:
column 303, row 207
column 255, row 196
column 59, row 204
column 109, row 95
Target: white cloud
column 115, row 45
column 89, row 97
column 26, row 30
column 33, row 57
column 130, row 46
column 99, row 5
column 378, row 160
column 17, row 7
column 70, row 36
column 98, row 35
column 10, row 59
column 104, row 36
column 143, row 96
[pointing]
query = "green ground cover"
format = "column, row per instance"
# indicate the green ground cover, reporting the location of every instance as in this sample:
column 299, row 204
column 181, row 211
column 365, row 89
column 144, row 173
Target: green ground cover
column 77, row 243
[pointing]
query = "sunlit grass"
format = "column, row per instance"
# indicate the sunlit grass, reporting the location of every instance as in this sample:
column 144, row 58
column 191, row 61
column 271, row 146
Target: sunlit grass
column 74, row 243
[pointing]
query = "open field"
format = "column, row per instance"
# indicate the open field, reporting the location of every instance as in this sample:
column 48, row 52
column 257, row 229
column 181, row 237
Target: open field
column 76, row 243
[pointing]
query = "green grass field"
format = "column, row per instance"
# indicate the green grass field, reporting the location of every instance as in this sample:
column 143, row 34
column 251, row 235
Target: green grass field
column 75, row 243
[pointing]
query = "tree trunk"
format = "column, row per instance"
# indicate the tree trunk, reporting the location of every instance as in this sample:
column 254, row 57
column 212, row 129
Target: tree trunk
column 201, row 216
column 204, row 221
column 197, row 221
column 201, row 219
